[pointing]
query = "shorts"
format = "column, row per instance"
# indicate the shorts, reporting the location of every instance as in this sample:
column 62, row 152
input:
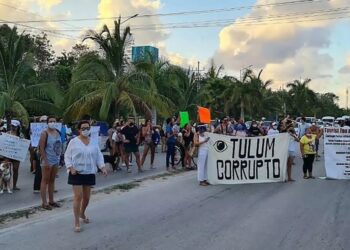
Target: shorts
column 291, row 154
column 82, row 179
column 131, row 148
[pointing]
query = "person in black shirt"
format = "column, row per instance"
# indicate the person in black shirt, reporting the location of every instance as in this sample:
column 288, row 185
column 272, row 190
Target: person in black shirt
column 188, row 144
column 255, row 130
column 131, row 143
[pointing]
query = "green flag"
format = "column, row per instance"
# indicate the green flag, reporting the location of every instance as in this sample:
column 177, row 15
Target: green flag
column 184, row 119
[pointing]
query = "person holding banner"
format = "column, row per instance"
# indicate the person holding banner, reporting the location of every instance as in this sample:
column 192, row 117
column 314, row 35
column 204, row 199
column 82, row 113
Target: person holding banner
column 83, row 159
column 50, row 147
column 15, row 130
column 201, row 141
column 308, row 152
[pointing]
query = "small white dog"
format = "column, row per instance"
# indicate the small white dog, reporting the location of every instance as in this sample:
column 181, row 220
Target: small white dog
column 5, row 177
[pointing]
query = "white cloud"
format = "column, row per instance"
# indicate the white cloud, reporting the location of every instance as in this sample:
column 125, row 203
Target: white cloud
column 125, row 8
column 48, row 4
column 286, row 51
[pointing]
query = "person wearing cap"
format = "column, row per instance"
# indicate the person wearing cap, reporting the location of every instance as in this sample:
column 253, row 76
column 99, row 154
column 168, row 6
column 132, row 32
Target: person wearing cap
column 15, row 131
column 201, row 141
column 273, row 129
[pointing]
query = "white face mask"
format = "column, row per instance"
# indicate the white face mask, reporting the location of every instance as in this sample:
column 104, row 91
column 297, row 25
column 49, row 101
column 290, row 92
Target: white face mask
column 254, row 125
column 85, row 133
column 51, row 125
column 274, row 127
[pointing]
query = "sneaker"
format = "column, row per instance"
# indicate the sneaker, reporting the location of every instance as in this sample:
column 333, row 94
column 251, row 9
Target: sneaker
column 129, row 170
column 36, row 191
column 9, row 191
column 1, row 191
column 16, row 189
column 203, row 183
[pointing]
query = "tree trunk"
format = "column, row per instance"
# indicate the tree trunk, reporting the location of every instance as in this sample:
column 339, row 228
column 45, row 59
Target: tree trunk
column 242, row 110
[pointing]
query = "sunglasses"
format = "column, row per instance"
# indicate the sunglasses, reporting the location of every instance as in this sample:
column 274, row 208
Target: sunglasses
column 85, row 128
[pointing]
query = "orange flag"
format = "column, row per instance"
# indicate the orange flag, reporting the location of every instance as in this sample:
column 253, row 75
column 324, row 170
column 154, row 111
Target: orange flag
column 204, row 115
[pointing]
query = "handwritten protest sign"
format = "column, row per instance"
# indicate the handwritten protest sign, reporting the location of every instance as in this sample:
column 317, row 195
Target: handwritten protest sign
column 13, row 147
column 36, row 129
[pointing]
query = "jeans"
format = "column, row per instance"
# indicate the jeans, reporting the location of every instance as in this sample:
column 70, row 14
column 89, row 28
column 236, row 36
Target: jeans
column 308, row 161
column 170, row 153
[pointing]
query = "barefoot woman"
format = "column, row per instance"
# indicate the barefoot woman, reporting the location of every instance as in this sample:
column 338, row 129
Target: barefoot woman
column 82, row 159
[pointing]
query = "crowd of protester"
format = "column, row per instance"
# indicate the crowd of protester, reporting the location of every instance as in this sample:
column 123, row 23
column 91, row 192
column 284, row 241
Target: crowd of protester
column 125, row 138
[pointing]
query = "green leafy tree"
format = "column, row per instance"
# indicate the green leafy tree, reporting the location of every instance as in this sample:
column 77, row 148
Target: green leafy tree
column 103, row 86
column 20, row 91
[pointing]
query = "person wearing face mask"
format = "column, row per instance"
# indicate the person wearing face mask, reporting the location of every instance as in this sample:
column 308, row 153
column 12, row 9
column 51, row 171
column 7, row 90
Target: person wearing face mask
column 254, row 130
column 50, row 147
column 15, row 131
column 82, row 159
column 240, row 129
column 273, row 129
column 308, row 152
column 303, row 126
column 201, row 141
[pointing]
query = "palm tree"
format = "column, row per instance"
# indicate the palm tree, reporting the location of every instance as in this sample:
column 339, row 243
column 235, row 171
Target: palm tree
column 303, row 97
column 108, row 83
column 20, row 93
column 242, row 92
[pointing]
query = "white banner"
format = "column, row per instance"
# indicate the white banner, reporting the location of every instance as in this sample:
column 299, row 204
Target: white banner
column 36, row 129
column 239, row 160
column 94, row 135
column 337, row 152
column 13, row 147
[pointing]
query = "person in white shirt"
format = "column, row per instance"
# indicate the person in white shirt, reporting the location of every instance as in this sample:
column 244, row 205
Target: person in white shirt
column 273, row 129
column 201, row 141
column 83, row 159
column 303, row 126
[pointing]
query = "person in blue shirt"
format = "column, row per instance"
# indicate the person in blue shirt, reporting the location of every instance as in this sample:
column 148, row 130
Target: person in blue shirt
column 63, row 141
column 171, row 142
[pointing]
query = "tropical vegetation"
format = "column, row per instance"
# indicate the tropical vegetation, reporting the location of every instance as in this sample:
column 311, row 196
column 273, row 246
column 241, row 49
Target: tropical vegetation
column 104, row 84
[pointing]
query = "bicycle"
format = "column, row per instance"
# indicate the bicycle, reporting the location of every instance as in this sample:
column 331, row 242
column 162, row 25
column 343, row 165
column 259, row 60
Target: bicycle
column 180, row 156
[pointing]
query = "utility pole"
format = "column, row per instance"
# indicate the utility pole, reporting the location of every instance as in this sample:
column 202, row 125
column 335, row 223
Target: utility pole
column 347, row 98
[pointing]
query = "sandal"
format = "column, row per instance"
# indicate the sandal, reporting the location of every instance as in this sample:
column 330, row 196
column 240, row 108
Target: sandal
column 86, row 220
column 54, row 204
column 306, row 177
column 77, row 229
column 46, row 206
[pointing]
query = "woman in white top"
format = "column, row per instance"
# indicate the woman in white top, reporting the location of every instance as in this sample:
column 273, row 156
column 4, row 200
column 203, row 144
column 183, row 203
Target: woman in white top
column 201, row 141
column 82, row 160
column 273, row 129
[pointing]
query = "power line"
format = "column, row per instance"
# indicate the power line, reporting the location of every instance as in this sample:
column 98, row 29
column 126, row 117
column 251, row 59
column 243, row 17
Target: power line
column 196, row 12
column 249, row 20
column 32, row 13
column 51, row 32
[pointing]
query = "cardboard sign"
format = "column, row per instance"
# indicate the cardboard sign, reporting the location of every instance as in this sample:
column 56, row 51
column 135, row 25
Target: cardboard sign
column 13, row 147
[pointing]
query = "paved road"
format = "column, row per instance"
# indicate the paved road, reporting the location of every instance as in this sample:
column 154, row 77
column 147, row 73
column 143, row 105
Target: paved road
column 176, row 213
column 26, row 198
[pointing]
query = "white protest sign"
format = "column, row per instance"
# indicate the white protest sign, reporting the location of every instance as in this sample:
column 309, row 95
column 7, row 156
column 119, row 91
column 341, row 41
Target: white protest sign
column 239, row 160
column 337, row 152
column 94, row 135
column 36, row 129
column 13, row 147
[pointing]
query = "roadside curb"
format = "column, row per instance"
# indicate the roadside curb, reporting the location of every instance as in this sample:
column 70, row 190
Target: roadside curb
column 123, row 187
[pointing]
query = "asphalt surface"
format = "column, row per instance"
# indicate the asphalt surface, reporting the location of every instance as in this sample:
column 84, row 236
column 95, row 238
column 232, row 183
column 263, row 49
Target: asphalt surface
column 177, row 213
column 25, row 198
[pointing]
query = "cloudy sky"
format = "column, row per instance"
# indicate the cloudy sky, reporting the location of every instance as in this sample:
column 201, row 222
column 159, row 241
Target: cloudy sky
column 289, row 39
